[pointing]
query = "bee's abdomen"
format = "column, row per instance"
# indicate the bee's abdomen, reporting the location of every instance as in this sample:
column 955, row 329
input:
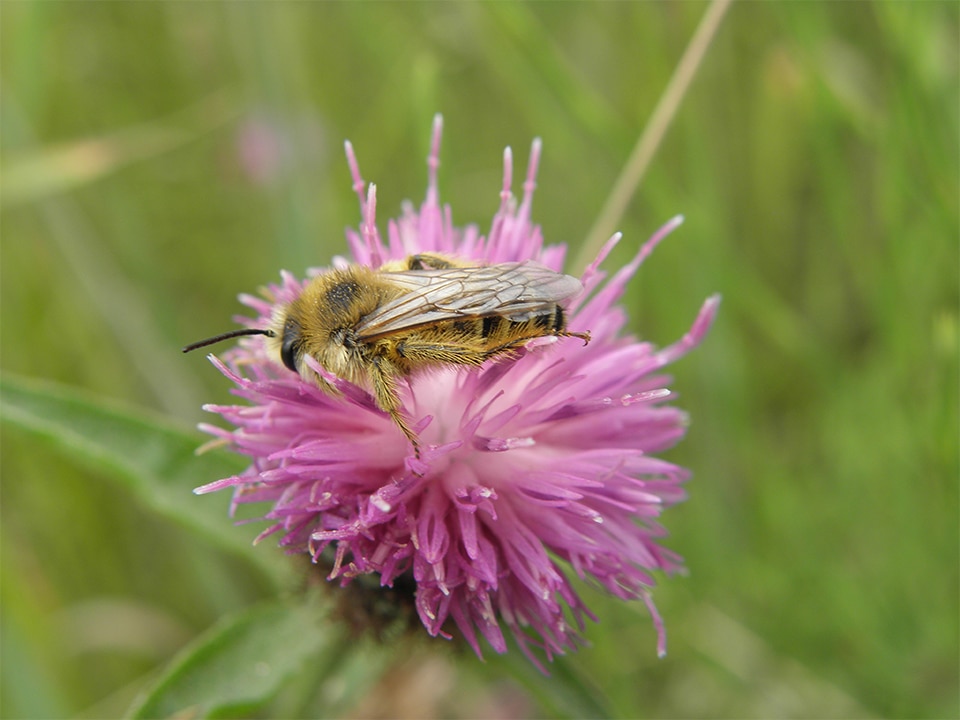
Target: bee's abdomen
column 469, row 341
column 498, row 331
column 550, row 321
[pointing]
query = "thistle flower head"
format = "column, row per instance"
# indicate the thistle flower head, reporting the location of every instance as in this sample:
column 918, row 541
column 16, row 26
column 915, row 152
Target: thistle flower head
column 533, row 469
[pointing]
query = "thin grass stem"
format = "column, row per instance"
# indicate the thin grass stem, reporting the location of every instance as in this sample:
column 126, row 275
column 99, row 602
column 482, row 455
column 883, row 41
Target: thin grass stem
column 636, row 167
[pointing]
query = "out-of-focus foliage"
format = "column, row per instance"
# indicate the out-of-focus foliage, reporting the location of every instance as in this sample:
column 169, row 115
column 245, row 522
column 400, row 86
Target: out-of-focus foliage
column 160, row 158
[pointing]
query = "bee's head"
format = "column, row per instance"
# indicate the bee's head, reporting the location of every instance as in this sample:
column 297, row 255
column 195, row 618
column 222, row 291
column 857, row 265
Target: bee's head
column 291, row 344
column 290, row 341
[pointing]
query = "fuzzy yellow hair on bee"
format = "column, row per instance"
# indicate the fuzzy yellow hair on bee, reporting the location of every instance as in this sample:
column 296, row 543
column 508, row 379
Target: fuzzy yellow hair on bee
column 372, row 327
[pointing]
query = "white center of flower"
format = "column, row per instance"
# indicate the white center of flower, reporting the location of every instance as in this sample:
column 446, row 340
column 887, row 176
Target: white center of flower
column 438, row 393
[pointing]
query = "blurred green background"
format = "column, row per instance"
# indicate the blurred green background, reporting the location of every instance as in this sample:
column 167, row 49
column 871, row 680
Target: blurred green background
column 160, row 158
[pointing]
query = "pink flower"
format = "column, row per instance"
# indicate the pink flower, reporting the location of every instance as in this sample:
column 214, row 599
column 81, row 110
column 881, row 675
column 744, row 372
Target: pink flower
column 531, row 468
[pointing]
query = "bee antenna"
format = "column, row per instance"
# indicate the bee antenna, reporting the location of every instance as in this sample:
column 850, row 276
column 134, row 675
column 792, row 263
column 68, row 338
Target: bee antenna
column 227, row 336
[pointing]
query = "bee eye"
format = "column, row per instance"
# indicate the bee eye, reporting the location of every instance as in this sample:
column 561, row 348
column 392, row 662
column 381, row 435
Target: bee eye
column 290, row 347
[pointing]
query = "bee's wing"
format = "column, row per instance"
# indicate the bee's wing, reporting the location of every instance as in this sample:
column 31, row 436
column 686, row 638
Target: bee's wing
column 515, row 290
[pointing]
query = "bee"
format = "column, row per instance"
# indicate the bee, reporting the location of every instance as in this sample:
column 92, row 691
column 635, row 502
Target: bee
column 374, row 327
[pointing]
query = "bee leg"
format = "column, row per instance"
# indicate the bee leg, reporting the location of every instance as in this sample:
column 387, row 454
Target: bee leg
column 385, row 393
column 324, row 384
column 557, row 324
column 434, row 353
column 401, row 422
column 585, row 336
